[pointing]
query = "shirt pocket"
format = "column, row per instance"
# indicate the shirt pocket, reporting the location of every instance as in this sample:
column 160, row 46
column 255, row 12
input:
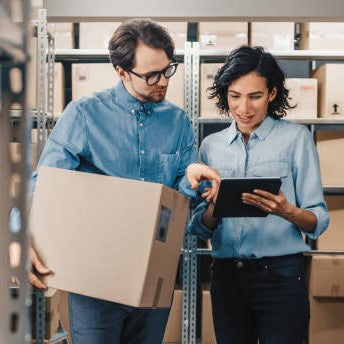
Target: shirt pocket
column 168, row 167
column 271, row 169
column 226, row 172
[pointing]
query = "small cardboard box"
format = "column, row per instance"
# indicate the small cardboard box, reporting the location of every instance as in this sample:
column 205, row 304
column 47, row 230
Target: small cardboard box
column 177, row 31
column 208, row 108
column 327, row 276
column 173, row 332
column 331, row 89
column 110, row 238
column 329, row 144
column 175, row 88
column 322, row 36
column 327, row 321
column 327, row 299
column 94, row 35
column 304, row 94
column 91, row 77
column 208, row 333
column 333, row 238
column 222, row 35
column 273, row 36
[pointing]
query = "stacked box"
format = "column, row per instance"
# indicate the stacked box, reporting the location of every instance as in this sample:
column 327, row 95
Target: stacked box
column 304, row 94
column 178, row 32
column 91, row 77
column 222, row 35
column 173, row 332
column 333, row 238
column 327, row 299
column 322, row 36
column 329, row 144
column 207, row 106
column 208, row 333
column 330, row 83
column 63, row 34
column 175, row 89
column 273, row 36
column 96, row 35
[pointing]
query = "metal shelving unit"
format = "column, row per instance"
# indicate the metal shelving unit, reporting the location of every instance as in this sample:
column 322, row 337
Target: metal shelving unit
column 14, row 324
column 192, row 56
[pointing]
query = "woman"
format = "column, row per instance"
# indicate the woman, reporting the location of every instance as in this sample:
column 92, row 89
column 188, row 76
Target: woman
column 258, row 286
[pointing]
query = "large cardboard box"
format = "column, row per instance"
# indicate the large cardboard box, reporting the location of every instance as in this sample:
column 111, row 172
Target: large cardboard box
column 333, row 238
column 96, row 35
column 173, row 332
column 110, row 238
column 273, row 35
column 331, row 89
column 329, row 144
column 222, row 35
column 322, row 36
column 327, row 300
column 207, row 106
column 91, row 77
column 208, row 333
column 175, row 89
column 304, row 94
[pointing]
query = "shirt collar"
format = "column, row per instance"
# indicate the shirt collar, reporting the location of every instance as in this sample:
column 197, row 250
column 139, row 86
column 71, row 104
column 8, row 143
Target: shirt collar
column 123, row 97
column 261, row 132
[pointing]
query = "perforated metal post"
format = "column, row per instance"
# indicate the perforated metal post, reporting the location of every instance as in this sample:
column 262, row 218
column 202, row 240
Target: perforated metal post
column 51, row 73
column 191, row 61
column 14, row 315
column 42, row 50
column 186, row 246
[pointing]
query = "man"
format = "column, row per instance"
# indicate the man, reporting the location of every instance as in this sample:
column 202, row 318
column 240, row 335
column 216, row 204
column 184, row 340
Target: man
column 128, row 131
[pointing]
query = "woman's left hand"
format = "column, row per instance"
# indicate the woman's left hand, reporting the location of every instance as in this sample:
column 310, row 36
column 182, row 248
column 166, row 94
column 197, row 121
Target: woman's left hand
column 270, row 203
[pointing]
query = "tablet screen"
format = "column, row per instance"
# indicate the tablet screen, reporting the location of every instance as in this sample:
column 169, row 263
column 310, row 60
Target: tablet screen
column 229, row 203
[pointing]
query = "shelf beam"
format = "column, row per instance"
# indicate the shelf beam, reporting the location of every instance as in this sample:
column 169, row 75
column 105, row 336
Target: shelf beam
column 192, row 10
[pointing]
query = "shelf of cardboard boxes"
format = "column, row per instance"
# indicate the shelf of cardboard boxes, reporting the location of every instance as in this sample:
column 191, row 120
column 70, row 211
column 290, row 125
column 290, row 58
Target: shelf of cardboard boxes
column 318, row 43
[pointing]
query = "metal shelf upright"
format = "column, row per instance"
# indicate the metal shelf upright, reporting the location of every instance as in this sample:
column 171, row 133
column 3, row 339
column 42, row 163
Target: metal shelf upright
column 14, row 324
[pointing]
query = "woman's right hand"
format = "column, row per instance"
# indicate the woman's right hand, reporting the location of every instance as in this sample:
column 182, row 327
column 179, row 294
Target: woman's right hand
column 37, row 267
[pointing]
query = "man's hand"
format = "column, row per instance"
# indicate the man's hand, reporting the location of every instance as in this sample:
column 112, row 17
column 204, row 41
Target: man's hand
column 197, row 172
column 37, row 267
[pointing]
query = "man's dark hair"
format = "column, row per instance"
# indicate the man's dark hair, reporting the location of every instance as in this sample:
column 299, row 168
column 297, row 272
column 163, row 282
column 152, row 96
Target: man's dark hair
column 243, row 61
column 122, row 45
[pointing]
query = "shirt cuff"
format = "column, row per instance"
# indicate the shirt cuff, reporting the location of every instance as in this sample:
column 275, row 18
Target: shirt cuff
column 196, row 226
column 323, row 221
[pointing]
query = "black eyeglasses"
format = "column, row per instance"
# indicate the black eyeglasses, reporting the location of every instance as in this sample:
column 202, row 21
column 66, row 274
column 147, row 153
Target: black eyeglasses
column 154, row 77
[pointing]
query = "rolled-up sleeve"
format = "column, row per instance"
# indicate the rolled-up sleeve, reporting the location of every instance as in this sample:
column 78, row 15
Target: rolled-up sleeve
column 196, row 227
column 308, row 185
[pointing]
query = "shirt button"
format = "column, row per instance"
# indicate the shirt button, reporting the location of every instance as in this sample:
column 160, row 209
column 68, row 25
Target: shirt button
column 141, row 108
column 133, row 111
column 149, row 112
column 239, row 264
column 141, row 124
column 142, row 152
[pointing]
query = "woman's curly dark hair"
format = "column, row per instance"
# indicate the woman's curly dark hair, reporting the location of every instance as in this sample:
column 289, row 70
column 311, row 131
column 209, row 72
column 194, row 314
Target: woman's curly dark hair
column 245, row 60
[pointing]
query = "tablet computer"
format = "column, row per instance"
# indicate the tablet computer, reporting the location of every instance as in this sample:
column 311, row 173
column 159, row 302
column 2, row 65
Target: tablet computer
column 229, row 203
